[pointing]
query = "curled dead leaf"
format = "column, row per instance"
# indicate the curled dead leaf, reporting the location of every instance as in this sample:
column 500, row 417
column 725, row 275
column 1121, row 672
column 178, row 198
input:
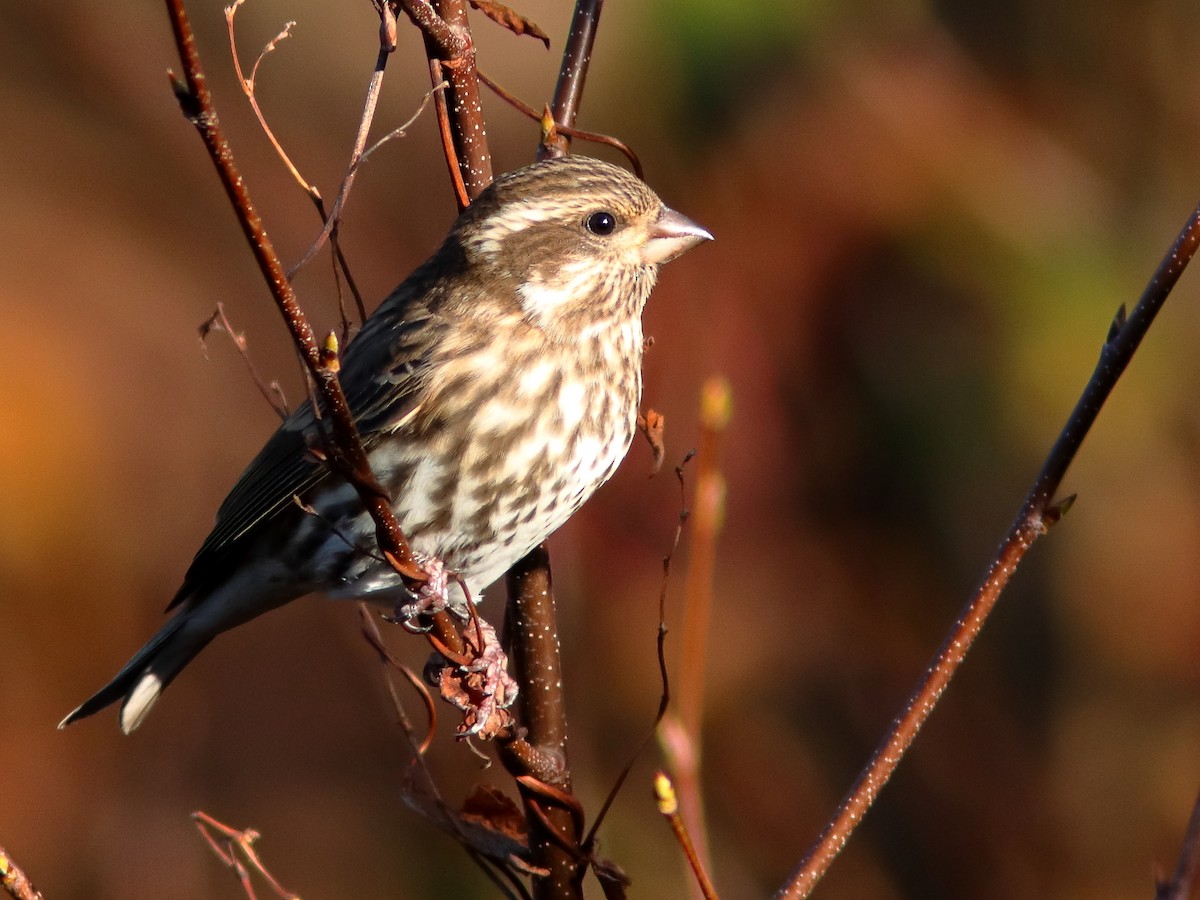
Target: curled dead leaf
column 652, row 425
column 511, row 19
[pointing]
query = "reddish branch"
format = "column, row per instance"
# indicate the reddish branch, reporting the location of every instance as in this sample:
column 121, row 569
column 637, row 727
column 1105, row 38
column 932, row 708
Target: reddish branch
column 668, row 807
column 1182, row 883
column 572, row 74
column 232, row 846
column 557, row 127
column 344, row 450
column 14, row 881
column 451, row 52
column 539, row 759
column 1036, row 516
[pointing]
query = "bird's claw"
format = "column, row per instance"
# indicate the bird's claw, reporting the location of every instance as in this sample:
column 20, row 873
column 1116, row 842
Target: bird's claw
column 431, row 597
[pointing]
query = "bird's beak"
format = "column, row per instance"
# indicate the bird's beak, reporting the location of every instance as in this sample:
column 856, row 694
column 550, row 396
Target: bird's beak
column 671, row 235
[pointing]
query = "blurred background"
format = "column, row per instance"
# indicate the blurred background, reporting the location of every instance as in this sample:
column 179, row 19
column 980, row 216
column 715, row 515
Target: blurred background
column 926, row 216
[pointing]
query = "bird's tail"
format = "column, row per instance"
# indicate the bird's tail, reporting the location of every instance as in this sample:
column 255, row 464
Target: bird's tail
column 144, row 677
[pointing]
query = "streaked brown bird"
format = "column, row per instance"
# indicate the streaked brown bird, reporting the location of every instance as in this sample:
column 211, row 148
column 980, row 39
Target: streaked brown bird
column 495, row 390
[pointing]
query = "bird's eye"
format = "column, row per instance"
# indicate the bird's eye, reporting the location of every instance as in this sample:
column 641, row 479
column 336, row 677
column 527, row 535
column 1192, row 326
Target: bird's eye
column 601, row 223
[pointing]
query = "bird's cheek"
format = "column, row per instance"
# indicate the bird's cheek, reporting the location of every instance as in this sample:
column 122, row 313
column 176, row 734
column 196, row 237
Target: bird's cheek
column 543, row 302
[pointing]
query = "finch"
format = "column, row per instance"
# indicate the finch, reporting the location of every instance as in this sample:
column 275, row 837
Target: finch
column 495, row 389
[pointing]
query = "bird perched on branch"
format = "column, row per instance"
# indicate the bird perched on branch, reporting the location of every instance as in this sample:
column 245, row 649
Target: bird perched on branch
column 495, row 389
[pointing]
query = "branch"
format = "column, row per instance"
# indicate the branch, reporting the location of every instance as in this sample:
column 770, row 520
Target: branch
column 539, row 760
column 248, row 86
column 1181, row 885
column 14, row 881
column 521, row 106
column 346, row 455
column 227, row 847
column 681, row 733
column 451, row 52
column 568, row 93
column 1035, row 518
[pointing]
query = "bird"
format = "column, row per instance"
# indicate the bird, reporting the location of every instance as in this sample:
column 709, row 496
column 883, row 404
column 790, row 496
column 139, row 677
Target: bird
column 494, row 391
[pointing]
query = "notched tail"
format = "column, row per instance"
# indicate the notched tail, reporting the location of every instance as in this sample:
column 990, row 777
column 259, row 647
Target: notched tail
column 144, row 677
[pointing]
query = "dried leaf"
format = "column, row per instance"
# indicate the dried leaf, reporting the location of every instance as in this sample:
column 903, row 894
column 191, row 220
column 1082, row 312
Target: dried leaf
column 652, row 425
column 511, row 19
column 493, row 808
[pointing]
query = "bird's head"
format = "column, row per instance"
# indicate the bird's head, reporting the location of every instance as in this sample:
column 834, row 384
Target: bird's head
column 579, row 239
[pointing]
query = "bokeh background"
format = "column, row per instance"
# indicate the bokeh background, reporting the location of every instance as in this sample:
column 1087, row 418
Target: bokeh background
column 926, row 215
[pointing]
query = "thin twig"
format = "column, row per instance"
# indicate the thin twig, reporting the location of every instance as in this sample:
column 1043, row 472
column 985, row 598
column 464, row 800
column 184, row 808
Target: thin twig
column 1183, row 883
column 1036, row 516
column 359, row 155
column 15, row 881
column 525, row 109
column 227, row 846
column 345, row 450
column 248, row 86
column 271, row 392
column 572, row 75
column 664, row 700
column 534, row 653
column 370, row 631
column 681, row 732
column 668, row 807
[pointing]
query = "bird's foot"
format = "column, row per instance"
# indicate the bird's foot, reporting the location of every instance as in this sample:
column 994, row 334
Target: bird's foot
column 482, row 687
column 431, row 597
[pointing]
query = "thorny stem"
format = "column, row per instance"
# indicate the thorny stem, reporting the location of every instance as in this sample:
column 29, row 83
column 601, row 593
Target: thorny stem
column 1034, row 519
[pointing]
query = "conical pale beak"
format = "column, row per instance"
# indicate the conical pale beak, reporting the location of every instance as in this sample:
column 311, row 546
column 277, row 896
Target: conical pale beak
column 671, row 235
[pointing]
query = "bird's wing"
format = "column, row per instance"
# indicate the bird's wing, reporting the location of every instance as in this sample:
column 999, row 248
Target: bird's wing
column 383, row 371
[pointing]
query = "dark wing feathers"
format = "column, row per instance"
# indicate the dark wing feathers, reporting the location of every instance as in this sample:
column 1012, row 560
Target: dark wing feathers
column 383, row 370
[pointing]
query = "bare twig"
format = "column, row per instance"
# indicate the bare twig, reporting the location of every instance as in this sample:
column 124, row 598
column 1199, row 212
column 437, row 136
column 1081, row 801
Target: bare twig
column 681, row 731
column 525, row 109
column 1183, row 883
column 228, row 842
column 344, row 450
column 15, row 881
column 534, row 652
column 370, row 631
column 248, row 86
column 1036, row 516
column 359, row 155
column 572, row 75
column 664, row 700
column 451, row 53
column 271, row 392
column 668, row 807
